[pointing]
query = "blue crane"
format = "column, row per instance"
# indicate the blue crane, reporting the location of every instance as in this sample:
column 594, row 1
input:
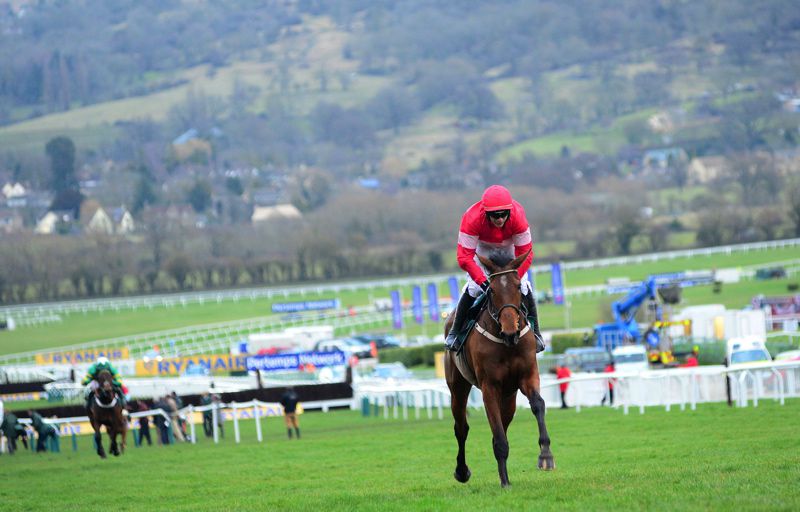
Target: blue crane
column 625, row 329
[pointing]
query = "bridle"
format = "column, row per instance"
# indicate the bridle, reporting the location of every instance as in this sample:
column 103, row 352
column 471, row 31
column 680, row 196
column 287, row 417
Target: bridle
column 495, row 314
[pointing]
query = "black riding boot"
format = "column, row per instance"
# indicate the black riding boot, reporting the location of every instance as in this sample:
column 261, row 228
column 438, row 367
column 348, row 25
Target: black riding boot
column 464, row 303
column 533, row 317
column 89, row 403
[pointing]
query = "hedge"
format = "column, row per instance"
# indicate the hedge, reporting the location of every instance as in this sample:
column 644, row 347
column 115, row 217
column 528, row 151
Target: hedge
column 411, row 356
column 562, row 341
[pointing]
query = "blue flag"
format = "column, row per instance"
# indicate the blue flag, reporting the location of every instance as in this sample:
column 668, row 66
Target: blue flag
column 558, row 286
column 433, row 302
column 416, row 304
column 397, row 310
column 455, row 293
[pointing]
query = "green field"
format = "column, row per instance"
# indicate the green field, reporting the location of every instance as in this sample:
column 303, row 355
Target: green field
column 715, row 458
column 584, row 311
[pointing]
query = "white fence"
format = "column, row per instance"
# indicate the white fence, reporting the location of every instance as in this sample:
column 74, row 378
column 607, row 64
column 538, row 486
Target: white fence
column 679, row 388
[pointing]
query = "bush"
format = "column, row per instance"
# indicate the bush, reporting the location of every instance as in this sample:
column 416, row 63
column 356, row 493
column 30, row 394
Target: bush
column 562, row 341
column 411, row 356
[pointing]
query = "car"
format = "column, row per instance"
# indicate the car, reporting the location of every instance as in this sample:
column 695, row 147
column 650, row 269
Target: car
column 350, row 346
column 587, row 359
column 630, row 358
column 381, row 340
column 789, row 355
column 746, row 349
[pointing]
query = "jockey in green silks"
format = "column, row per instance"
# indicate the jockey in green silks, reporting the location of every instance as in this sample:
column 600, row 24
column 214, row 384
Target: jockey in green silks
column 98, row 366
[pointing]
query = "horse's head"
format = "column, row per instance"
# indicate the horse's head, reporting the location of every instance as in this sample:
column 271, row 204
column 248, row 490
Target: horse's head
column 504, row 295
column 106, row 388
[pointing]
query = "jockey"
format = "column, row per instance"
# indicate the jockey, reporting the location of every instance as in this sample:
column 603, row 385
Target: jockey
column 496, row 223
column 101, row 364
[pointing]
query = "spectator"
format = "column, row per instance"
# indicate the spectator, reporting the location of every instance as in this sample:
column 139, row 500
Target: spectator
column 44, row 430
column 208, row 416
column 691, row 359
column 12, row 430
column 562, row 372
column 289, row 402
column 611, row 381
column 172, row 410
column 144, row 424
column 160, row 421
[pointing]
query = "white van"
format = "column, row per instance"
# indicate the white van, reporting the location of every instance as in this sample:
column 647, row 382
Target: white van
column 630, row 358
column 747, row 349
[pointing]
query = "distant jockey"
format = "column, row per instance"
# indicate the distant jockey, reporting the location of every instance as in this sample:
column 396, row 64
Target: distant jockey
column 93, row 372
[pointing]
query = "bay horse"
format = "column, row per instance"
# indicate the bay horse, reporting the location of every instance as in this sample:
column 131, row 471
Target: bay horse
column 106, row 410
column 499, row 358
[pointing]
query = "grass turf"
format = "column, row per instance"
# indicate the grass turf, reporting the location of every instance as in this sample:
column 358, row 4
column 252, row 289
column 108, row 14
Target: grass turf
column 714, row 458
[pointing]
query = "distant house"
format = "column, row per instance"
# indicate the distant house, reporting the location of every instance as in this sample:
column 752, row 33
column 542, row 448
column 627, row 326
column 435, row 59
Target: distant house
column 123, row 220
column 13, row 190
column 188, row 144
column 663, row 158
column 48, row 224
column 279, row 211
column 705, row 169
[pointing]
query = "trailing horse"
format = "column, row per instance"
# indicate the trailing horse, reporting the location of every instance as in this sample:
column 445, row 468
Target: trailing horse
column 499, row 358
column 106, row 410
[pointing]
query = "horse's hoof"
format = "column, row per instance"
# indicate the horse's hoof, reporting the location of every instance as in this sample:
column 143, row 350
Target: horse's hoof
column 546, row 463
column 505, row 485
column 462, row 476
column 103, row 456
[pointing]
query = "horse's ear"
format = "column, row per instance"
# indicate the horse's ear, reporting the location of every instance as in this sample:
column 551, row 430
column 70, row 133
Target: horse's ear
column 518, row 261
column 490, row 266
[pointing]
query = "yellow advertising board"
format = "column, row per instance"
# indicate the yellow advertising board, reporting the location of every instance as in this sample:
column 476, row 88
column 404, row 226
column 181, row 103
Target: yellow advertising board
column 81, row 356
column 178, row 365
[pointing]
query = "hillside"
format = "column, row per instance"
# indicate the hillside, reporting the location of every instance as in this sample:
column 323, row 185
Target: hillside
column 621, row 126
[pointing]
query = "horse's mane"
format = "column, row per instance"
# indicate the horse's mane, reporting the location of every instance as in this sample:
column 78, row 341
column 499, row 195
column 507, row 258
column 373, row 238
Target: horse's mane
column 500, row 259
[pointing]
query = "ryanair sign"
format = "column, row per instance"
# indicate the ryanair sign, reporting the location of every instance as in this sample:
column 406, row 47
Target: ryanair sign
column 81, row 356
column 178, row 365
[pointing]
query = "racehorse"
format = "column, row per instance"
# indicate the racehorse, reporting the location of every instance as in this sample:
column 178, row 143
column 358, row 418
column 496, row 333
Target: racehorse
column 107, row 410
column 499, row 358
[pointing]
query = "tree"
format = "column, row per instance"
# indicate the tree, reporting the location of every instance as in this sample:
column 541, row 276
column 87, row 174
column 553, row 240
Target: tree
column 794, row 208
column 61, row 151
column 179, row 267
column 393, row 107
column 144, row 195
column 199, row 196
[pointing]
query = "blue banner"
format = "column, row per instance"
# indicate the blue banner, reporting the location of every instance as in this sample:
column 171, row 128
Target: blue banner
column 455, row 293
column 282, row 362
column 416, row 304
column 433, row 302
column 558, row 284
column 397, row 310
column 307, row 305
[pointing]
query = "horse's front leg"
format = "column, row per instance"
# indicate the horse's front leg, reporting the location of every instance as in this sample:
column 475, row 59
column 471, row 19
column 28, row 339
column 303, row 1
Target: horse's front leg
column 112, row 434
column 536, row 401
column 98, row 441
column 491, row 401
column 459, row 393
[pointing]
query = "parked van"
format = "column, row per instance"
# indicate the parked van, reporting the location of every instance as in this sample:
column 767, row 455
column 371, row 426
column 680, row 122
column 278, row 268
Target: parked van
column 747, row 349
column 630, row 358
